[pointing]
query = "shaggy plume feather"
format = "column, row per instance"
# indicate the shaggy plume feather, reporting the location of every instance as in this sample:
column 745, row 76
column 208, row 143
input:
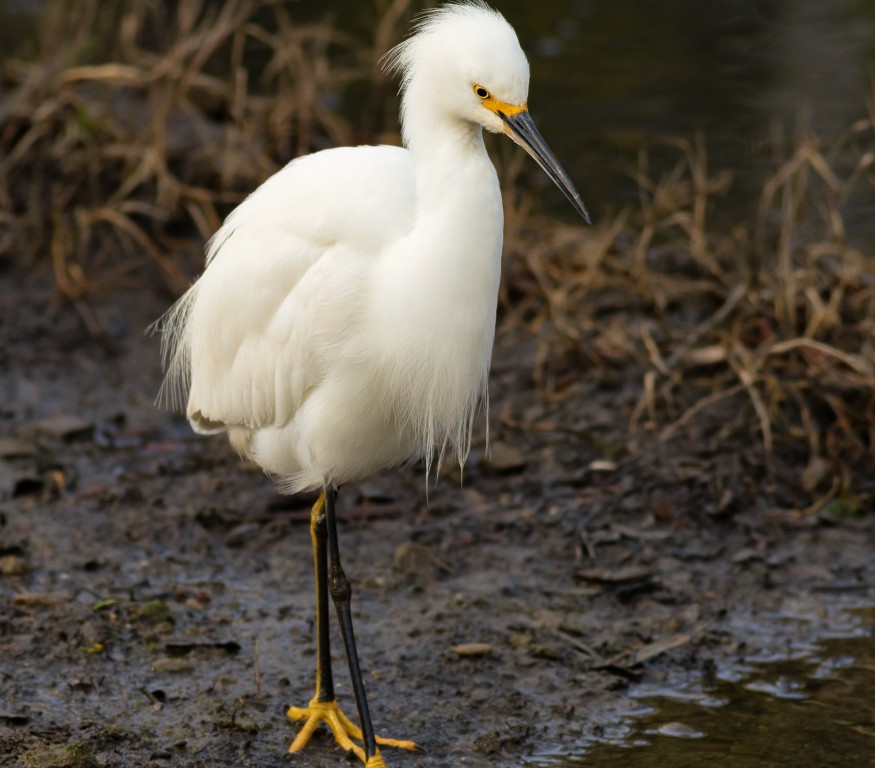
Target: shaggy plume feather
column 402, row 60
column 345, row 318
column 174, row 328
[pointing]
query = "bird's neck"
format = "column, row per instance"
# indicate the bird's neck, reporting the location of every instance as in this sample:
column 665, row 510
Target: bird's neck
column 449, row 154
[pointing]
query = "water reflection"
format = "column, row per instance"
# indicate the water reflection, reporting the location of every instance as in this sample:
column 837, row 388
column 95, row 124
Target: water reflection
column 610, row 76
column 815, row 710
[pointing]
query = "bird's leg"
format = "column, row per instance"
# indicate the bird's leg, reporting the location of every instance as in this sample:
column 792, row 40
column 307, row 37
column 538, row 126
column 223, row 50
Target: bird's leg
column 323, row 706
column 318, row 531
column 341, row 594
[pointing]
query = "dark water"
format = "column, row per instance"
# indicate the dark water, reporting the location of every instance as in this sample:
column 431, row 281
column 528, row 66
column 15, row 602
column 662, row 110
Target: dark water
column 610, row 77
column 809, row 707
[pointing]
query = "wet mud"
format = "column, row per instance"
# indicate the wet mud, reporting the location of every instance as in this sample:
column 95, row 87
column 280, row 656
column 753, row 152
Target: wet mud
column 156, row 595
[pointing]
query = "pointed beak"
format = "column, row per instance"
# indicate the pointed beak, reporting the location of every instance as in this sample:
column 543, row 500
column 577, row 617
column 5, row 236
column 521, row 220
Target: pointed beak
column 519, row 125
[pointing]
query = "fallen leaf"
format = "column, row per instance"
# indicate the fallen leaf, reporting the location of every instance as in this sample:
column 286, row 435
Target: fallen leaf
column 816, row 470
column 13, row 565
column 13, row 448
column 602, row 465
column 64, row 426
column 652, row 650
column 473, row 649
column 504, row 458
column 172, row 665
column 40, row 599
column 632, row 574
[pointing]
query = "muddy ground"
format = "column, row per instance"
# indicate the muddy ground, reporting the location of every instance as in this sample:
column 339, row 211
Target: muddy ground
column 156, row 599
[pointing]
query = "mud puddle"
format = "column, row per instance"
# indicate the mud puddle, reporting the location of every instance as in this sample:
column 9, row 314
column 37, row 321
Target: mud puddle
column 814, row 706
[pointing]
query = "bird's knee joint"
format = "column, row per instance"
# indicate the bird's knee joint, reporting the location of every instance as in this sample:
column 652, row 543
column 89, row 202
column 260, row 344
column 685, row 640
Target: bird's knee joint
column 339, row 586
column 318, row 525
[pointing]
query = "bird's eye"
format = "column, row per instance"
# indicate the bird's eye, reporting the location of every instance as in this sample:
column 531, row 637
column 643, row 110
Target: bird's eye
column 481, row 92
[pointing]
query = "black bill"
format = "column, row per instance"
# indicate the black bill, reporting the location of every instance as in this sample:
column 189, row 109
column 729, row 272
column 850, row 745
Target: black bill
column 521, row 128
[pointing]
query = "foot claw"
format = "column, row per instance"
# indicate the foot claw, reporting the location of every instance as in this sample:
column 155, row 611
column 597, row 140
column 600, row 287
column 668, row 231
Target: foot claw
column 343, row 730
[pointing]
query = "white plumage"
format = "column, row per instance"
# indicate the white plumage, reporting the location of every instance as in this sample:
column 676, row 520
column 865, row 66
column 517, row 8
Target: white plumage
column 345, row 319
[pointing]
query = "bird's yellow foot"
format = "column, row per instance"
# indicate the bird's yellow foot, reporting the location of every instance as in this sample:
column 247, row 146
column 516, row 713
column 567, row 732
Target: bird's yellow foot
column 344, row 731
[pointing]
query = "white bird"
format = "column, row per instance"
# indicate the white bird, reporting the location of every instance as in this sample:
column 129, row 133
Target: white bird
column 345, row 319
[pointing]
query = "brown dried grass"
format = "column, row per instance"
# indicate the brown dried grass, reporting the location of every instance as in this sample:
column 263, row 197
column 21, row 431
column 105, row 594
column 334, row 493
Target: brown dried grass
column 766, row 321
column 131, row 129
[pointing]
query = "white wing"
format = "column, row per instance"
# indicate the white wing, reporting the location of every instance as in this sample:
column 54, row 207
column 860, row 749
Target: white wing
column 283, row 274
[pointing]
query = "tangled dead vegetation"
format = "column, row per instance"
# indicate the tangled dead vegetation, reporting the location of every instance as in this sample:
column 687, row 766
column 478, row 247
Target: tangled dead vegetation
column 760, row 327
column 131, row 130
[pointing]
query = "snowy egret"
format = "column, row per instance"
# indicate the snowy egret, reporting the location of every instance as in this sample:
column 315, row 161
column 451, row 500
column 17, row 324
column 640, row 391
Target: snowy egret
column 345, row 319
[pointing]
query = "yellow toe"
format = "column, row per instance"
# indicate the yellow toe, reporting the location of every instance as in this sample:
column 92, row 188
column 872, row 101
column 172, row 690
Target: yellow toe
column 343, row 730
column 327, row 712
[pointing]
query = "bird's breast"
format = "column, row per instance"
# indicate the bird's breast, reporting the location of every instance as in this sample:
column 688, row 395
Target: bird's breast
column 433, row 321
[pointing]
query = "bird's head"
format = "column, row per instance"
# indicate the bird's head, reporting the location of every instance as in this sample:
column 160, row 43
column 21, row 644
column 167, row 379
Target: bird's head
column 465, row 61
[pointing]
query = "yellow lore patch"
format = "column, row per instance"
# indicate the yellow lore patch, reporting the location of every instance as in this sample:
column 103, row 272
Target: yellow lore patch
column 496, row 106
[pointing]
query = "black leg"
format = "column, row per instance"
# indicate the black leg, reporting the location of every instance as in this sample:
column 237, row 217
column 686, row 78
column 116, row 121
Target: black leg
column 341, row 594
column 319, row 535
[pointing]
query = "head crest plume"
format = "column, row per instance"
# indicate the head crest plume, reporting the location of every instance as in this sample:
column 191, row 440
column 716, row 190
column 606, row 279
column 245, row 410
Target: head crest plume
column 400, row 60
